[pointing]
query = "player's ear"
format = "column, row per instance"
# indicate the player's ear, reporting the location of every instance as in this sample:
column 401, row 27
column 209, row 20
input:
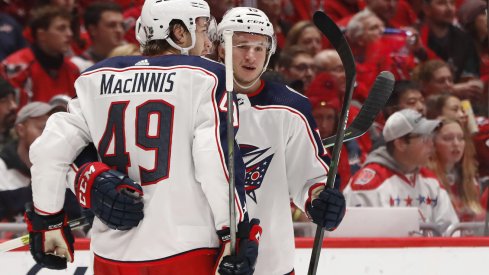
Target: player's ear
column 178, row 33
column 20, row 129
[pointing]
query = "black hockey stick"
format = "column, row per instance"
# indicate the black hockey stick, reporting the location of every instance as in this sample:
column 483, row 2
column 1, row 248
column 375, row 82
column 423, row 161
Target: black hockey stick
column 336, row 38
column 383, row 82
column 375, row 102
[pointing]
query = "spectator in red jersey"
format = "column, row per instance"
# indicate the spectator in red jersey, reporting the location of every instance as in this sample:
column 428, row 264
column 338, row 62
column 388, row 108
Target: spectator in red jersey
column 104, row 23
column 297, row 67
column 455, row 165
column 363, row 33
column 42, row 71
column 444, row 39
column 326, row 114
column 331, row 76
column 306, row 35
column 80, row 40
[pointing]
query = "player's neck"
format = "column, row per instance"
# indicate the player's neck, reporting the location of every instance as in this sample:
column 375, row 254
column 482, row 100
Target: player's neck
column 248, row 88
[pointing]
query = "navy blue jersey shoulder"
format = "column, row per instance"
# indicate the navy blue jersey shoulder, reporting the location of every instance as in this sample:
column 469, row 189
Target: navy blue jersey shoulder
column 120, row 62
column 274, row 93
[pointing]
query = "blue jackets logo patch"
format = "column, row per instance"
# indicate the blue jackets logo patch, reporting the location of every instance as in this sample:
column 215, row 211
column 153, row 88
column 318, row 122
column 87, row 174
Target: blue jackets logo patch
column 255, row 170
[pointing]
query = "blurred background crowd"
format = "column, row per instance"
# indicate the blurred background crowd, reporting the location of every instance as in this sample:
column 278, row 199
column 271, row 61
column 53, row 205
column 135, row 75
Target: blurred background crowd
column 437, row 49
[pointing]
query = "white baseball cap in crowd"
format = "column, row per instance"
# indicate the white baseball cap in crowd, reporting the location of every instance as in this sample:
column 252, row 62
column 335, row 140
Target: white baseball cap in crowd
column 408, row 121
column 33, row 109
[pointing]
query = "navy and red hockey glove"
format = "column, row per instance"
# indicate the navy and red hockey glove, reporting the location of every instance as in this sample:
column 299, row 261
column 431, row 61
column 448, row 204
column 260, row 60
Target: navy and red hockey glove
column 50, row 238
column 327, row 208
column 111, row 195
column 247, row 241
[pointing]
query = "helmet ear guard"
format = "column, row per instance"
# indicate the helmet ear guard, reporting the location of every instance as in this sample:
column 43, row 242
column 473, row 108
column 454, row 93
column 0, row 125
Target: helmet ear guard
column 156, row 16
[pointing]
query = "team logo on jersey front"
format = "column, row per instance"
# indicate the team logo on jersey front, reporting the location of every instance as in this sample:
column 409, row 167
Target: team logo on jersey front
column 257, row 163
column 365, row 176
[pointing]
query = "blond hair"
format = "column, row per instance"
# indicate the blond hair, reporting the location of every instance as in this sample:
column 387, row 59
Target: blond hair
column 467, row 188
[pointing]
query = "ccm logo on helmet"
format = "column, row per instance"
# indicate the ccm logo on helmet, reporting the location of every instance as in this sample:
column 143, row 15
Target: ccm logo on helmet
column 83, row 186
column 252, row 21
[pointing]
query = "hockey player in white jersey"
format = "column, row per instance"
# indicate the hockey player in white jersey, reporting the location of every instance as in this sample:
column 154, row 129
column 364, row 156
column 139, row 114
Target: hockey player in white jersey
column 280, row 144
column 157, row 120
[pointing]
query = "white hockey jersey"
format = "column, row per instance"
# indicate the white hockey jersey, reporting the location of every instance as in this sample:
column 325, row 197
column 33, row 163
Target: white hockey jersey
column 380, row 184
column 283, row 156
column 158, row 120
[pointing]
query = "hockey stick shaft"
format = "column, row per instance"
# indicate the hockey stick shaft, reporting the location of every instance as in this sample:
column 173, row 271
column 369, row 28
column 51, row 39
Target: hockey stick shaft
column 24, row 240
column 377, row 98
column 228, row 61
column 335, row 36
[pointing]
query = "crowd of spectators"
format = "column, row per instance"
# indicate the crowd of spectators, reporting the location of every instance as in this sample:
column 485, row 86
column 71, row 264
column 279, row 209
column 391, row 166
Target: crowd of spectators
column 438, row 51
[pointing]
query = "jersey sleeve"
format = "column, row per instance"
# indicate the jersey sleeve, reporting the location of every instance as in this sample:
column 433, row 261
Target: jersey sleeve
column 210, row 149
column 305, row 156
column 66, row 134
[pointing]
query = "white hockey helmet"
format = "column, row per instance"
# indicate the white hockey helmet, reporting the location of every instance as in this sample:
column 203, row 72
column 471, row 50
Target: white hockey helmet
column 156, row 16
column 250, row 20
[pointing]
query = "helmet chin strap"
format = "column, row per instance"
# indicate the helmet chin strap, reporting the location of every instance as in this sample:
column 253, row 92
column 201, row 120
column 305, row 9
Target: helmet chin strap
column 183, row 51
column 256, row 80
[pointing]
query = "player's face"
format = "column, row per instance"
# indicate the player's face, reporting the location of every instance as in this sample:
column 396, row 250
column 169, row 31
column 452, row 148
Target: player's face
column 8, row 108
column 109, row 31
column 56, row 38
column 412, row 99
column 249, row 56
column 452, row 109
column 202, row 42
column 450, row 143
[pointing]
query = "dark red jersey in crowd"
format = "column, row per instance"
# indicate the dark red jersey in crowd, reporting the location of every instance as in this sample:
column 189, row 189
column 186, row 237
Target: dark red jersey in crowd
column 37, row 82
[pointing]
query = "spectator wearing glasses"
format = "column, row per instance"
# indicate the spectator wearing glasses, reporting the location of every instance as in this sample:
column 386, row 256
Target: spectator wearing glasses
column 297, row 67
column 394, row 175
